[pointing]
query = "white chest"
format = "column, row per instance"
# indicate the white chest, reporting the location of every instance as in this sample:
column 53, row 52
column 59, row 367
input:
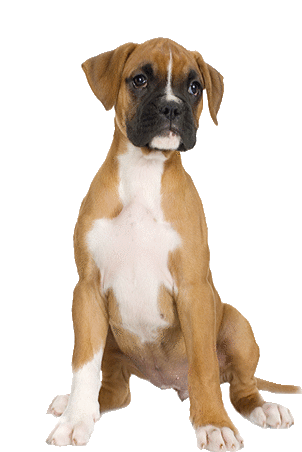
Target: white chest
column 132, row 250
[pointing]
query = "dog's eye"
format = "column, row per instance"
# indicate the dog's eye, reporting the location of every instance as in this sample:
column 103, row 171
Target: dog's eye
column 140, row 81
column 195, row 88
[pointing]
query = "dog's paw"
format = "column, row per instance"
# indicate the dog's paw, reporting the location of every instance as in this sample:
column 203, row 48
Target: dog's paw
column 69, row 432
column 217, row 439
column 58, row 405
column 271, row 415
column 74, row 427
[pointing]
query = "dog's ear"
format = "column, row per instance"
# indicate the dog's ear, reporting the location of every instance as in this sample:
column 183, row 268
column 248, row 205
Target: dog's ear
column 104, row 73
column 213, row 85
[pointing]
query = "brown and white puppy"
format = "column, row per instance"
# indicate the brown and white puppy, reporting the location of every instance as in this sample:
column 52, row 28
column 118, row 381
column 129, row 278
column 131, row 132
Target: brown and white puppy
column 145, row 303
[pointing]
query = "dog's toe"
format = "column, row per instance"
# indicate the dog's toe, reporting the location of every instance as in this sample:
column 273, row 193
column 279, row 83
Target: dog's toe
column 58, row 405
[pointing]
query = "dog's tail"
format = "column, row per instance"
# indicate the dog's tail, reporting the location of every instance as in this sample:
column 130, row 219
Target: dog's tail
column 264, row 385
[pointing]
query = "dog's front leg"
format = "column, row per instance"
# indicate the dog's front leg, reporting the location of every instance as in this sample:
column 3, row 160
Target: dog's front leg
column 197, row 314
column 90, row 328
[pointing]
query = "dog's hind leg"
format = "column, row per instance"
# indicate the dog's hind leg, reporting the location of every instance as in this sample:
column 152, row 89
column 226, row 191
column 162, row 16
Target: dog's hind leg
column 115, row 390
column 238, row 354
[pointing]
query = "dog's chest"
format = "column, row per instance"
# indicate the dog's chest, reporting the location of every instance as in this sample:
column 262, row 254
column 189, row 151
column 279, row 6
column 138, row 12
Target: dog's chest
column 132, row 249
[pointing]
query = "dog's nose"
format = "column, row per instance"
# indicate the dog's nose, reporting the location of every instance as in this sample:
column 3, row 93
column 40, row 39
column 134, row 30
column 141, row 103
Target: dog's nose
column 170, row 110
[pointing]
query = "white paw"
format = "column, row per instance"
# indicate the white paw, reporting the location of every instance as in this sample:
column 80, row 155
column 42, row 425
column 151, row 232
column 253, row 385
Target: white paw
column 58, row 405
column 74, row 427
column 69, row 432
column 272, row 415
column 218, row 439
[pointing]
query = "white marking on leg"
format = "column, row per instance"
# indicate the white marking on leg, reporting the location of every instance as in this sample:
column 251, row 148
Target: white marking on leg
column 168, row 91
column 77, row 422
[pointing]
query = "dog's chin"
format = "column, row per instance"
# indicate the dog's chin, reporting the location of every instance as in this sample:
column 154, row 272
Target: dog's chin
column 167, row 141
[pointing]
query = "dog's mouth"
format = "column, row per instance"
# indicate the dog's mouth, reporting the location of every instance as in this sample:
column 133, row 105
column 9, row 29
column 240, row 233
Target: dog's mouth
column 167, row 139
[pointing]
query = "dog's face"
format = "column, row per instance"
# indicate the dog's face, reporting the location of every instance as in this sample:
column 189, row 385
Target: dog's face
column 156, row 88
column 164, row 97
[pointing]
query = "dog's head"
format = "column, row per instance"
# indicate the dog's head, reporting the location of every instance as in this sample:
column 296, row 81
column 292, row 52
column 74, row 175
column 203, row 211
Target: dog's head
column 156, row 88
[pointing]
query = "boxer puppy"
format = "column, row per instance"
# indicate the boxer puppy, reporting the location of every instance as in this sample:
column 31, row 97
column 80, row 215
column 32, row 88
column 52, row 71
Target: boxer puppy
column 145, row 303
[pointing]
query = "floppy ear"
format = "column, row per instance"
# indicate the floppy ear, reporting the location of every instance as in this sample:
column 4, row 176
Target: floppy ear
column 213, row 85
column 104, row 73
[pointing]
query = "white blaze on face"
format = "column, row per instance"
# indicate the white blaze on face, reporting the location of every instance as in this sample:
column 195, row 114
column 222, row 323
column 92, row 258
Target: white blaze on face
column 169, row 92
column 168, row 140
